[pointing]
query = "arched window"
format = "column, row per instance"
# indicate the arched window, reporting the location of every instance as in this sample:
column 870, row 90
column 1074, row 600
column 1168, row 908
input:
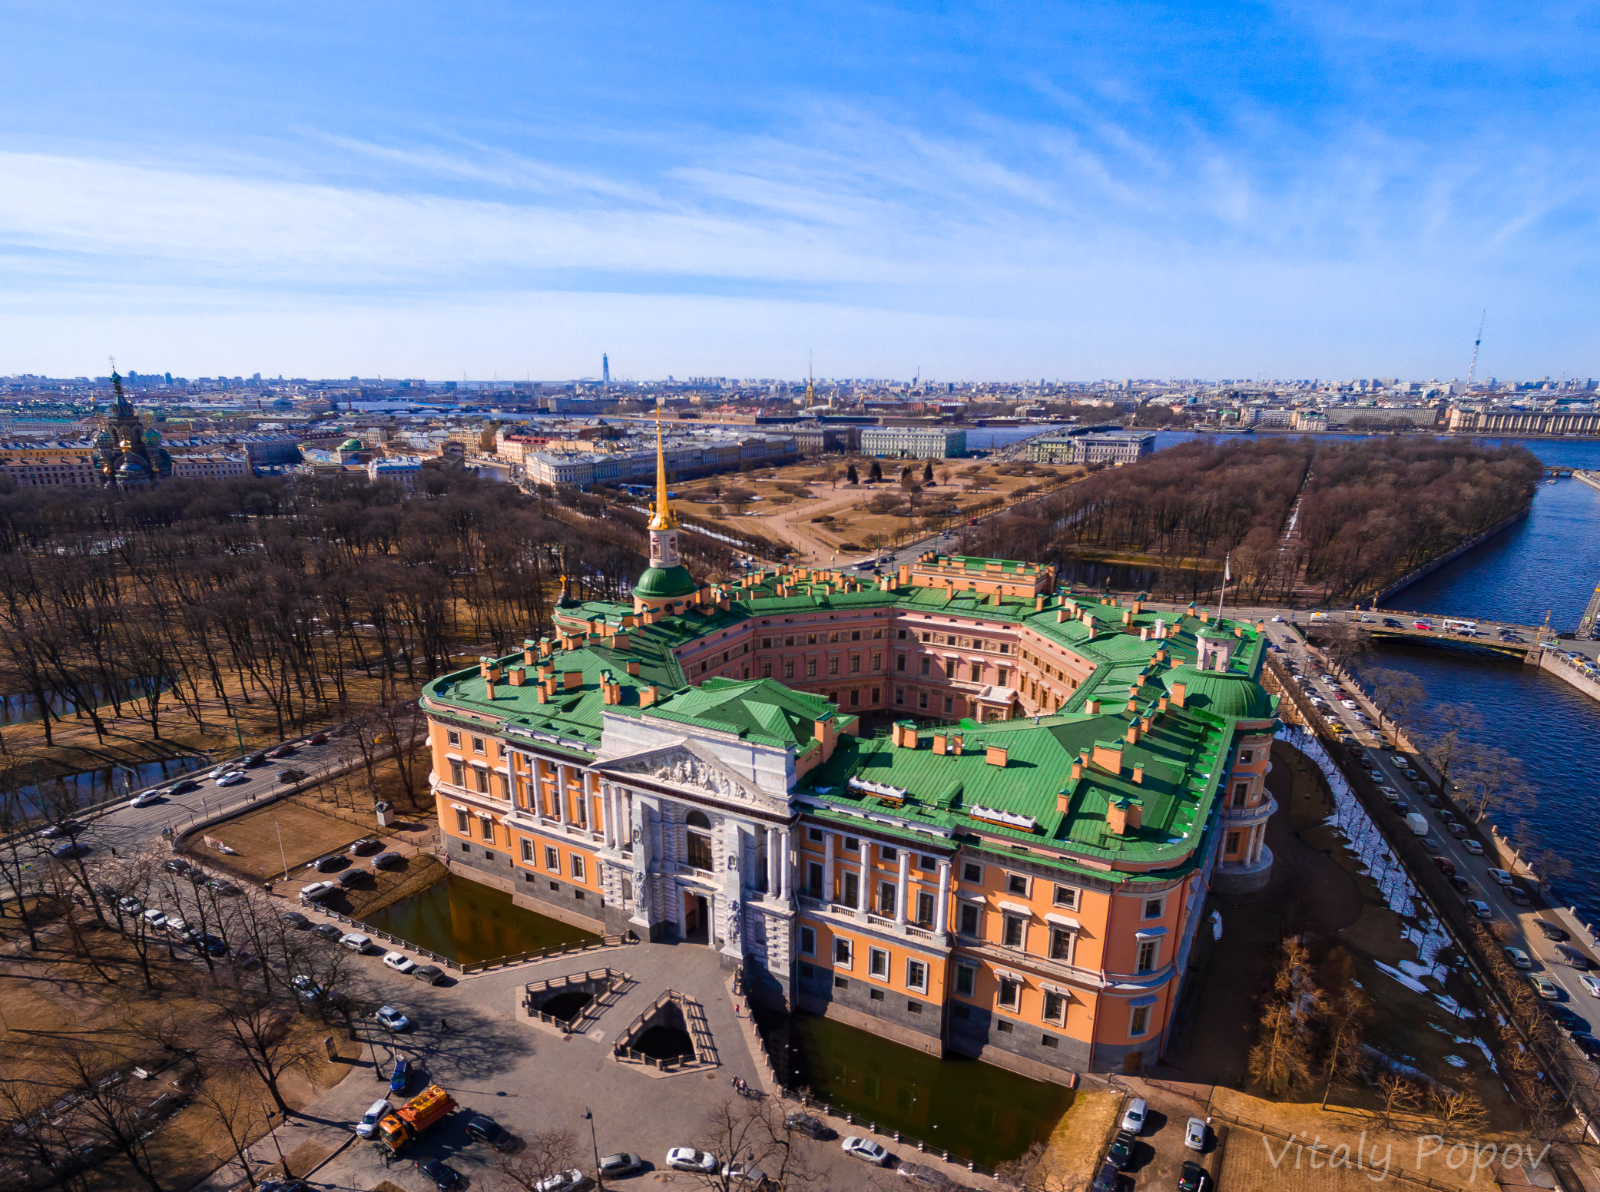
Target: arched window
column 699, row 843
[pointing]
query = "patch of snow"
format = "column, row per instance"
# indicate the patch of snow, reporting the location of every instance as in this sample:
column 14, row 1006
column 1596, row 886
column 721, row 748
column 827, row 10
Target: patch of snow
column 1455, row 1061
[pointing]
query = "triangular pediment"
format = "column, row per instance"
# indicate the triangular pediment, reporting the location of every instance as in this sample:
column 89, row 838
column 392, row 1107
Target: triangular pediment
column 692, row 767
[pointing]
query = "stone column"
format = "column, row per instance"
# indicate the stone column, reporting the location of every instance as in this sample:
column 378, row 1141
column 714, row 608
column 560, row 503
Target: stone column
column 605, row 815
column 864, row 895
column 941, row 908
column 902, row 889
column 783, row 863
column 561, row 795
column 772, row 862
column 827, row 866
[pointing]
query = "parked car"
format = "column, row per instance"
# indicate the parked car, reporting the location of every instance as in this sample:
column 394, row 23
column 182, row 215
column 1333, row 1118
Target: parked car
column 1566, row 1019
column 145, row 798
column 1572, row 957
column 571, row 1180
column 444, row 1176
column 804, row 1123
column 281, row 751
column 245, row 961
column 1550, row 931
column 743, row 1173
column 154, row 917
column 866, row 1150
column 358, row 942
column 62, row 830
column 364, row 846
column 69, row 850
column 1458, row 830
column 620, row 1164
column 1108, row 1180
column 1518, row 958
column 1501, row 876
column 223, row 886
column 295, row 920
column 175, row 865
column 1590, row 984
column 1446, row 866
column 1480, row 908
column 352, row 877
column 369, row 1120
column 328, row 931
column 386, row 860
column 399, row 962
column 1588, row 1044
column 177, row 926
column 1194, row 1134
column 483, row 1128
column 1517, row 896
column 211, row 945
column 305, row 987
column 317, row 891
column 686, row 1158
column 130, row 905
column 1133, row 1117
column 1121, row 1150
column 400, row 1075
column 1192, row 1177
column 1473, row 847
column 392, row 1019
column 329, row 863
column 431, row 973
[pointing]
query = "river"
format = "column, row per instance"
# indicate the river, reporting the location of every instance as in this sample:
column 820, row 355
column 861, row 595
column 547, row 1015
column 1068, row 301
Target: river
column 1547, row 563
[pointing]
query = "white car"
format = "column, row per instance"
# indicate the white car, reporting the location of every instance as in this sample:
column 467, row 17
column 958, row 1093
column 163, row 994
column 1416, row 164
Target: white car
column 399, row 962
column 1194, row 1134
column 1133, row 1119
column 564, row 1181
column 369, row 1120
column 1473, row 847
column 686, row 1158
column 1591, row 983
column 1278, row 620
column 145, row 798
column 315, row 891
column 356, row 942
column 1349, row 703
column 866, row 1150
column 1501, row 876
column 392, row 1018
column 155, row 917
column 232, row 778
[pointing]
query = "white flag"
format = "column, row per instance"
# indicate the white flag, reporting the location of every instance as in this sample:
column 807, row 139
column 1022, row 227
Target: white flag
column 1227, row 570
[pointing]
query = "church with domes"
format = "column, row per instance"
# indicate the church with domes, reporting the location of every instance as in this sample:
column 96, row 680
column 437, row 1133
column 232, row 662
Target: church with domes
column 127, row 455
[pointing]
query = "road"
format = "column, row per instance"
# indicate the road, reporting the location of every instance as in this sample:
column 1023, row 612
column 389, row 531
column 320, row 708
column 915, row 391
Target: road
column 1388, row 768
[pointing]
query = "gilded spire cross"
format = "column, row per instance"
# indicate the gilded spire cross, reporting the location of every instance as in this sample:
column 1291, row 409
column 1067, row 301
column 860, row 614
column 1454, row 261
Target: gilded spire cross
column 663, row 519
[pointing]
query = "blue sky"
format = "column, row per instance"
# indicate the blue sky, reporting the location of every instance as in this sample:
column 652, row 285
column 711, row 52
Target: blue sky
column 975, row 190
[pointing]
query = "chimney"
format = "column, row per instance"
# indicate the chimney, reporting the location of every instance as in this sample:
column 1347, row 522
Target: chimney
column 647, row 695
column 1038, row 604
column 1132, row 735
column 1077, row 770
column 488, row 687
column 1061, row 615
column 1127, row 616
column 1124, row 815
column 1108, row 756
column 1205, row 615
column 995, row 756
column 528, row 648
column 955, row 746
column 1177, row 693
column 1133, row 705
column 1261, row 626
column 633, row 666
column 1144, row 633
column 571, row 679
column 1092, row 707
column 1238, row 631
column 939, row 740
column 907, row 736
column 544, row 695
column 1138, row 774
column 519, row 676
column 483, row 666
column 1162, row 703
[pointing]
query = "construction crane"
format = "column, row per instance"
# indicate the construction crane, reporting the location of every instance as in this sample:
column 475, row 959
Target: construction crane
column 1473, row 367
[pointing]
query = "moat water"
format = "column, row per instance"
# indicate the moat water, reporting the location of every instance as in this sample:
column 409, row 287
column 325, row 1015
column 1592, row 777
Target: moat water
column 468, row 922
column 974, row 1111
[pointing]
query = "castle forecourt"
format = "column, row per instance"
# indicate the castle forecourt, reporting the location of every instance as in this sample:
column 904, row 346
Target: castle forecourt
column 1012, row 868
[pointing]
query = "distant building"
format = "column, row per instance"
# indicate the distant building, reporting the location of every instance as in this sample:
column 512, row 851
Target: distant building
column 403, row 470
column 1524, row 422
column 37, row 471
column 913, row 442
column 129, row 455
column 209, row 467
column 1116, row 447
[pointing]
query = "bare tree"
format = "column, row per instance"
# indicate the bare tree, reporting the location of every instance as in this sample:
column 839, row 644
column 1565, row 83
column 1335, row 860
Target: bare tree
column 1349, row 1016
column 1457, row 1112
column 234, row 1109
column 543, row 1155
column 1401, row 1096
column 108, row 1109
column 1451, row 728
column 1397, row 693
column 256, row 1030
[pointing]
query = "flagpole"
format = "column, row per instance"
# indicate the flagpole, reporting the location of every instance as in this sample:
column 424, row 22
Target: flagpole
column 1226, row 576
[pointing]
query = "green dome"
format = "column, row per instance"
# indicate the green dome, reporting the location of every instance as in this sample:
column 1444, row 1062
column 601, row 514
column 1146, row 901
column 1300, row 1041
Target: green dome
column 1222, row 693
column 351, row 445
column 666, row 582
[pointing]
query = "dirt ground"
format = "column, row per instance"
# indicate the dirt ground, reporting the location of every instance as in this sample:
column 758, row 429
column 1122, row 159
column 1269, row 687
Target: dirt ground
column 1072, row 1156
column 54, row 995
column 845, row 526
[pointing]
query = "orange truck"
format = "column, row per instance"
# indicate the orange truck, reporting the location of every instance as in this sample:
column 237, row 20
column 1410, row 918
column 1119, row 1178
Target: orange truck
column 416, row 1115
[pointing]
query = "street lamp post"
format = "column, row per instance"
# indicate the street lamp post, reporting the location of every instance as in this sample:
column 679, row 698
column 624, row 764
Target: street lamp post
column 594, row 1141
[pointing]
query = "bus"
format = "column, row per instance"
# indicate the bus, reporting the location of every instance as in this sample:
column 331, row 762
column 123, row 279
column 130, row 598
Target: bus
column 1464, row 628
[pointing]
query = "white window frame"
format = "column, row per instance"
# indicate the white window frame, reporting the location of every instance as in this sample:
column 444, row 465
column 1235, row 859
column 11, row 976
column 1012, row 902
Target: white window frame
column 1000, row 994
column 1161, row 909
column 579, row 870
column 1154, row 946
column 1073, row 897
column 808, row 941
column 1044, row 1006
column 961, row 910
column 552, row 858
column 1025, row 879
column 1138, row 1021
column 912, row 982
column 848, row 947
column 452, row 738
column 972, row 973
column 527, row 850
column 878, row 963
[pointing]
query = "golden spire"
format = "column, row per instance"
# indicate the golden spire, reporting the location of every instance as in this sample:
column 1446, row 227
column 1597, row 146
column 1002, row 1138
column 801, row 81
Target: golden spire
column 811, row 390
column 663, row 519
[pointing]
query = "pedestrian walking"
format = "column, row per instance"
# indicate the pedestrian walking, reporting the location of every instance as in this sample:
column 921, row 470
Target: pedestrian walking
column 444, row 1025
column 113, row 851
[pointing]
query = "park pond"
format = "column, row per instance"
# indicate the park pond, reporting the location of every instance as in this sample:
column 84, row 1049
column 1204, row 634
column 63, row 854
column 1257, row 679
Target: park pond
column 469, row 922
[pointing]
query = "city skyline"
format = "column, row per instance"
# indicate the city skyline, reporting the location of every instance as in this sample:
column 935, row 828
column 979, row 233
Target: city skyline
column 1115, row 190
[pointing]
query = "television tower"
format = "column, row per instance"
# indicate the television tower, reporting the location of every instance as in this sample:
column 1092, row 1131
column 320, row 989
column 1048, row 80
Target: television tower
column 1473, row 367
column 605, row 369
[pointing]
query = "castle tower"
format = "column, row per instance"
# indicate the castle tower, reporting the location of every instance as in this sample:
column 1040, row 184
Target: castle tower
column 667, row 586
